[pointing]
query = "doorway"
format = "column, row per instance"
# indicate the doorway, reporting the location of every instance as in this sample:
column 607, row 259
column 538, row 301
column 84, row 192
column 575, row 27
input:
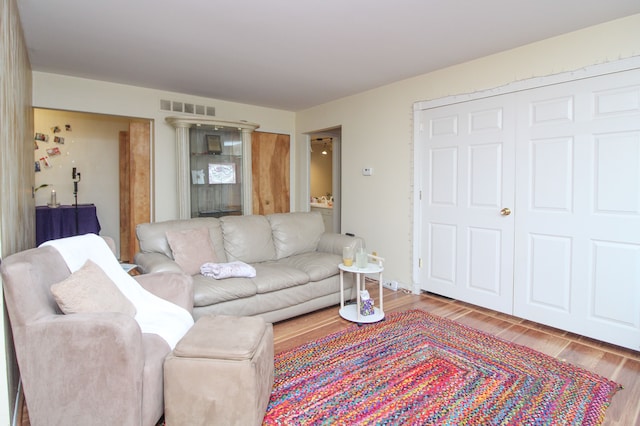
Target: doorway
column 325, row 176
column 89, row 143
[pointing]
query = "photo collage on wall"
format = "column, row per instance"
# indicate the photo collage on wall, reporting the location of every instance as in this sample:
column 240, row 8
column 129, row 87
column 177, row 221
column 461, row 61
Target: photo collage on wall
column 44, row 162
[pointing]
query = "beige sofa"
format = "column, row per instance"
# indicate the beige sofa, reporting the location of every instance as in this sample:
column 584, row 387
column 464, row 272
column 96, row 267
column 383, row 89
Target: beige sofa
column 296, row 262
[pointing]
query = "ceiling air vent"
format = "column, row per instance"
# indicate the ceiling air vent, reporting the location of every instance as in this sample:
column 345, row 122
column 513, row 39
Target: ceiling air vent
column 187, row 108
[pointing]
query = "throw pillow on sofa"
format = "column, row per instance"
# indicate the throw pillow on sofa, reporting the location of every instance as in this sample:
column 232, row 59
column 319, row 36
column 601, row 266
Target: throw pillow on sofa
column 89, row 289
column 191, row 249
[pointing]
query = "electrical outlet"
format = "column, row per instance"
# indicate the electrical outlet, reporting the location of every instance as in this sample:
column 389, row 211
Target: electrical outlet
column 391, row 285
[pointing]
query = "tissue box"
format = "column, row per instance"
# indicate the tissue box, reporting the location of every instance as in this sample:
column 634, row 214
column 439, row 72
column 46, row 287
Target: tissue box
column 366, row 307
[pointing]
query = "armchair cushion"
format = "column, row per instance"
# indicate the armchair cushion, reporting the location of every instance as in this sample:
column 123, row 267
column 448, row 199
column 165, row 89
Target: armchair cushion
column 89, row 289
column 191, row 248
column 154, row 314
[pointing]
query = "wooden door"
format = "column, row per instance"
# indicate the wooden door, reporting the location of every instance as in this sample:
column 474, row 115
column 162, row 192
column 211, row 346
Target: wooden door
column 135, row 183
column 468, row 181
column 270, row 172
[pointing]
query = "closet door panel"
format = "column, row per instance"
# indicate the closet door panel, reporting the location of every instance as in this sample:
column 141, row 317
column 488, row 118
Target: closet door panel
column 484, row 260
column 615, row 272
column 552, row 159
column 550, row 272
column 617, row 159
column 442, row 254
column 443, row 167
column 551, row 166
column 578, row 186
column 468, row 179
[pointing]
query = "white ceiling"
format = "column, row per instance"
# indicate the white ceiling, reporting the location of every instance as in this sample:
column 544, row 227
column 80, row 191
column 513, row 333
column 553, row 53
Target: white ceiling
column 287, row 54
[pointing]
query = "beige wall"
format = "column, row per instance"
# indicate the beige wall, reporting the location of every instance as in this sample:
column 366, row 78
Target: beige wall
column 17, row 221
column 377, row 129
column 77, row 94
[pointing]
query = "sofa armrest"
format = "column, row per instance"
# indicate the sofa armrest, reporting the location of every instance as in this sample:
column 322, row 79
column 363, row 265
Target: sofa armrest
column 156, row 262
column 333, row 243
column 96, row 358
column 173, row 287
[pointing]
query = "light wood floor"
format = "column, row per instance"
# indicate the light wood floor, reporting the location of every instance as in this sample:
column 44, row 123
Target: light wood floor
column 618, row 364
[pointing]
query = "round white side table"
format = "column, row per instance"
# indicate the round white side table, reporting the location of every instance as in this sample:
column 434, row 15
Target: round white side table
column 352, row 312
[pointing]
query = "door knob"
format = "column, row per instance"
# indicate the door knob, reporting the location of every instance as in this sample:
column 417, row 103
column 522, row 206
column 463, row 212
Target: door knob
column 505, row 211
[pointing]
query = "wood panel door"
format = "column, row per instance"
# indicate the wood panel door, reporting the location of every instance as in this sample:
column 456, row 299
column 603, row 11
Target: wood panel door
column 135, row 185
column 270, row 172
column 468, row 181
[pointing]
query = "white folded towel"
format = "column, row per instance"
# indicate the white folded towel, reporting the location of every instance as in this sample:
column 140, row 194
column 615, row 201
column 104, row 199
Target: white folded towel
column 228, row 270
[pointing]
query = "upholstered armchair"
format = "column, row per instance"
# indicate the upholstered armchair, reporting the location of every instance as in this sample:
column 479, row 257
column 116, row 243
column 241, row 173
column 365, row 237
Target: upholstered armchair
column 84, row 368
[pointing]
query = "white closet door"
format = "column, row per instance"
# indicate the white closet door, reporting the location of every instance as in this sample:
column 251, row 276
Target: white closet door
column 578, row 207
column 468, row 179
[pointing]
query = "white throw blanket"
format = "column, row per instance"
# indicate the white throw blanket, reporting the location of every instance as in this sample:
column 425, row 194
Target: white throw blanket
column 154, row 314
column 228, row 270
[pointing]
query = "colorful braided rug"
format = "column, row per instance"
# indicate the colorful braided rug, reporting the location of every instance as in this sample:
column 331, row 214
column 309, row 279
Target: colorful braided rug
column 419, row 369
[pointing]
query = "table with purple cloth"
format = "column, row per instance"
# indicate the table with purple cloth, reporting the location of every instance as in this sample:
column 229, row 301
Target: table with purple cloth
column 60, row 222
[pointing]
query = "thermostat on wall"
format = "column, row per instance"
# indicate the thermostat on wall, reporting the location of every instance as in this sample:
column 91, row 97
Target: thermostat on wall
column 367, row 171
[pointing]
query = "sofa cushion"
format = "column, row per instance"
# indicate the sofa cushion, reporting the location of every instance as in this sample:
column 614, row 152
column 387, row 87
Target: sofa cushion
column 264, row 303
column 331, row 285
column 152, row 237
column 208, row 291
column 275, row 276
column 89, row 290
column 191, row 248
column 318, row 265
column 295, row 233
column 247, row 238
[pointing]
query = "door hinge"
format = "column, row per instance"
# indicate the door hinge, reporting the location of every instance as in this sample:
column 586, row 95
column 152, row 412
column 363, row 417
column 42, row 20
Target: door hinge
column 419, row 262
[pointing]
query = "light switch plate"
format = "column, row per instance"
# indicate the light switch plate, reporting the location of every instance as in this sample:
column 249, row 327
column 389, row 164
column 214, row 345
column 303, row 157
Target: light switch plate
column 367, row 171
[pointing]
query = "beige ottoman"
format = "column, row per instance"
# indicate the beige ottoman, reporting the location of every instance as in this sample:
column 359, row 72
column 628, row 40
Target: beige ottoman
column 220, row 373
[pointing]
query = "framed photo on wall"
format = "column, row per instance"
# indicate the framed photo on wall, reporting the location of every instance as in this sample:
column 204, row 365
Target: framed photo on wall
column 214, row 145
